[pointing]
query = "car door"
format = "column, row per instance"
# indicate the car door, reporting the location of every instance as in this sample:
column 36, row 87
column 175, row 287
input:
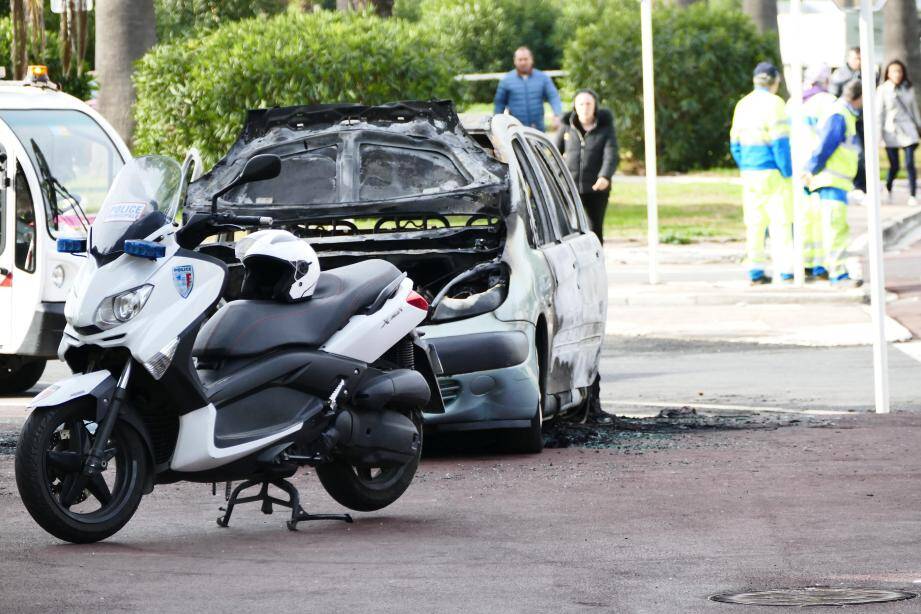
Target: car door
column 561, row 260
column 6, row 258
column 589, row 258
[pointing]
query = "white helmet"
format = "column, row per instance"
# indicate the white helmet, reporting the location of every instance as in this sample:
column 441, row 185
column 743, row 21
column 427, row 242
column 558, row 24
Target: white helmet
column 278, row 266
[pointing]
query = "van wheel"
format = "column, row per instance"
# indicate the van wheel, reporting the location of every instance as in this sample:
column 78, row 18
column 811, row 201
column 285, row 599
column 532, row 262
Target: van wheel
column 19, row 374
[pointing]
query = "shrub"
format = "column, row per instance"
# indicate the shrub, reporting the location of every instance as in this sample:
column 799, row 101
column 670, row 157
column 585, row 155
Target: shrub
column 176, row 18
column 485, row 33
column 196, row 92
column 704, row 59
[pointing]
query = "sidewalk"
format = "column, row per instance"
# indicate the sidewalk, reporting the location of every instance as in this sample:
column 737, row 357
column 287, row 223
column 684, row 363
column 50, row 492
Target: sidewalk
column 704, row 293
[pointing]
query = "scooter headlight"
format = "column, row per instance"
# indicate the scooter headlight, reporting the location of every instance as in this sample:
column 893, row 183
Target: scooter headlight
column 120, row 308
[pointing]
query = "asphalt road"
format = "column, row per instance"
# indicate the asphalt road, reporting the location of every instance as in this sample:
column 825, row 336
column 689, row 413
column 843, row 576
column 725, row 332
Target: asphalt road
column 654, row 522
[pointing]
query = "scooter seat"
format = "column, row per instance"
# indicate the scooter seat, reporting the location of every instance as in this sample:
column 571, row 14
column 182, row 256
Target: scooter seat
column 250, row 327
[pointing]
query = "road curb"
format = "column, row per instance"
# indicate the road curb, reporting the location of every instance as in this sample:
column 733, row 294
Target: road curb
column 893, row 232
column 662, row 295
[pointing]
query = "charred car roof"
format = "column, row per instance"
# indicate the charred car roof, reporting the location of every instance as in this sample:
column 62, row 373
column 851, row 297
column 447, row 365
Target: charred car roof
column 343, row 160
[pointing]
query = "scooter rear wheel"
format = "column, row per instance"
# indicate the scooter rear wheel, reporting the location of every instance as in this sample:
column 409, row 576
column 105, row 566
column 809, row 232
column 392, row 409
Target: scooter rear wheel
column 52, row 450
column 366, row 488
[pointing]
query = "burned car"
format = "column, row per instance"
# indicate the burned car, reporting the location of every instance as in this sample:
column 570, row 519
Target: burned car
column 486, row 221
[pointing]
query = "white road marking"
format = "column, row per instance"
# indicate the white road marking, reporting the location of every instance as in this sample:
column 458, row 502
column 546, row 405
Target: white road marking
column 715, row 407
column 911, row 349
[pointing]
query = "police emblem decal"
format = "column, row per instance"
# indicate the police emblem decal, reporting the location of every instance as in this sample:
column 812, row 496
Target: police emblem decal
column 183, row 277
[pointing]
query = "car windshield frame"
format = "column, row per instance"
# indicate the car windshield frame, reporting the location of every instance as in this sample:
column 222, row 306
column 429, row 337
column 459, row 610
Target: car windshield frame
column 46, row 143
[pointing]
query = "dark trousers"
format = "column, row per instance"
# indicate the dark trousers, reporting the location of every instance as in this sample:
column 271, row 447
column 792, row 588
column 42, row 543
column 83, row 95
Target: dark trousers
column 860, row 181
column 893, row 154
column 595, row 204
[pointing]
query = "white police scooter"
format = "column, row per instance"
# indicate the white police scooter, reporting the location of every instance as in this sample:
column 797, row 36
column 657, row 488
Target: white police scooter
column 338, row 381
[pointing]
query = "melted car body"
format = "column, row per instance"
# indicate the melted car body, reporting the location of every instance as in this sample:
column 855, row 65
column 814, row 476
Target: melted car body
column 486, row 221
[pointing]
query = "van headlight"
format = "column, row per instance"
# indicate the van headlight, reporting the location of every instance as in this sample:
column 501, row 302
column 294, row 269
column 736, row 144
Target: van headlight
column 120, row 308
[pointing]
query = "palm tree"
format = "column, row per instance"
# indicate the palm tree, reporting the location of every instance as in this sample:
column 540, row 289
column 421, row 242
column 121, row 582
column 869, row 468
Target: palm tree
column 900, row 23
column 125, row 30
column 763, row 13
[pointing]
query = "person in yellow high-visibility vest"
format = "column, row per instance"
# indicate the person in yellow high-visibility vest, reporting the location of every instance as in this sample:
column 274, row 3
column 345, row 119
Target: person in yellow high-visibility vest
column 830, row 174
column 817, row 105
column 760, row 144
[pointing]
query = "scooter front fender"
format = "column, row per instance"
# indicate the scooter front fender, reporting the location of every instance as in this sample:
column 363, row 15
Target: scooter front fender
column 98, row 386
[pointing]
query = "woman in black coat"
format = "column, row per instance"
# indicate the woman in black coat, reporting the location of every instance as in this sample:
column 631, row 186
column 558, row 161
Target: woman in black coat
column 589, row 145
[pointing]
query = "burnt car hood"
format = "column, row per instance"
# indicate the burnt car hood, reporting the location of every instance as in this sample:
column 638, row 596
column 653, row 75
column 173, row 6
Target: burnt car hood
column 428, row 124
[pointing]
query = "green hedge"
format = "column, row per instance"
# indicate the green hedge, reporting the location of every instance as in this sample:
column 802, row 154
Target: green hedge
column 704, row 59
column 196, row 92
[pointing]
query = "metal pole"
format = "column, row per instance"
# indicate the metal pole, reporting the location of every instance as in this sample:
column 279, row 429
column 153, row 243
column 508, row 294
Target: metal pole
column 877, row 279
column 798, row 141
column 649, row 121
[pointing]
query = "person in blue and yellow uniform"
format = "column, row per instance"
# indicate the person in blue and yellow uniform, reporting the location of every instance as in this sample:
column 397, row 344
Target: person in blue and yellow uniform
column 830, row 174
column 818, row 103
column 760, row 145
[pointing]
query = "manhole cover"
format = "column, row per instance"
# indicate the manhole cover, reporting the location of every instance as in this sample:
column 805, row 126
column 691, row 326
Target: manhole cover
column 814, row 595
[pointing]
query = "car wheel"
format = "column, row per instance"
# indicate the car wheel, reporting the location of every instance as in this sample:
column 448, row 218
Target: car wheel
column 530, row 440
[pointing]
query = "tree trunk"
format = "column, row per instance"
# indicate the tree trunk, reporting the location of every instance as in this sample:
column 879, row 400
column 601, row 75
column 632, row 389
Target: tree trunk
column 125, row 30
column 763, row 13
column 900, row 33
column 384, row 8
column 19, row 49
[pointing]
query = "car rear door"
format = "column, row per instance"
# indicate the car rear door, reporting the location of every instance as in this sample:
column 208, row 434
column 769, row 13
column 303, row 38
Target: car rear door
column 588, row 258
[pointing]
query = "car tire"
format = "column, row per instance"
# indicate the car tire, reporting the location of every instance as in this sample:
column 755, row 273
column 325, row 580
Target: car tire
column 17, row 376
column 530, row 440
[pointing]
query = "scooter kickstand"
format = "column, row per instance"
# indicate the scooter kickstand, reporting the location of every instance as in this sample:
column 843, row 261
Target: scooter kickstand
column 294, row 502
column 298, row 514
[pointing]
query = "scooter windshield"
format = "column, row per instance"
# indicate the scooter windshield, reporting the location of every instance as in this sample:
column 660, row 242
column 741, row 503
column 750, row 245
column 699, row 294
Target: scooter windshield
column 137, row 203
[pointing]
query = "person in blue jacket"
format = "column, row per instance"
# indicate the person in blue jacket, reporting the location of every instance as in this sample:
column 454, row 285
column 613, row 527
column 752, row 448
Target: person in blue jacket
column 524, row 90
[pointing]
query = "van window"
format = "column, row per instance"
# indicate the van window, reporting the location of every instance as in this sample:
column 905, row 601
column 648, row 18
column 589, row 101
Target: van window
column 74, row 158
column 540, row 230
column 25, row 224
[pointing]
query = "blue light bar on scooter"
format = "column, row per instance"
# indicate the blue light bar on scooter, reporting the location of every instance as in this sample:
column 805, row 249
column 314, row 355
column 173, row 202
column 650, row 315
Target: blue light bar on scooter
column 145, row 249
column 71, row 246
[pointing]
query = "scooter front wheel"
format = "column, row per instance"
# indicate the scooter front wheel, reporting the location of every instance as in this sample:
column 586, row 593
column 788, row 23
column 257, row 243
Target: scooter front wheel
column 52, row 450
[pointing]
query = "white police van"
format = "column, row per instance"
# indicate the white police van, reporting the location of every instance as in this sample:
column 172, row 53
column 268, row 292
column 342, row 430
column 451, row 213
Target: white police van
column 57, row 160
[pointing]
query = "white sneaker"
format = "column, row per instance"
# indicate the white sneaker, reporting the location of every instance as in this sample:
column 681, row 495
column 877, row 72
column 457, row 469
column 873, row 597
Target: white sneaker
column 912, row 201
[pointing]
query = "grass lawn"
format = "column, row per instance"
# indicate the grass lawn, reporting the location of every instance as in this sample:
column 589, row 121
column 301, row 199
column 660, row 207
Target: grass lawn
column 688, row 212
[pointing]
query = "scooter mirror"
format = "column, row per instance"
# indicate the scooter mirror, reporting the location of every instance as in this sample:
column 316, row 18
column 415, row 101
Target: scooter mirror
column 260, row 168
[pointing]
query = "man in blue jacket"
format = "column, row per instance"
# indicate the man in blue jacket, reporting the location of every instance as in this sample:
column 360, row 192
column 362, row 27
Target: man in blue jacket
column 523, row 91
